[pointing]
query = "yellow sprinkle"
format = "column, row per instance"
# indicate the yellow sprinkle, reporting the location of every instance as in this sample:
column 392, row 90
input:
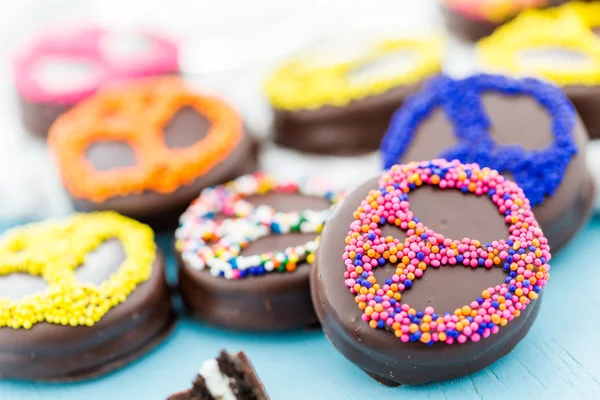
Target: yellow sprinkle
column 298, row 85
column 66, row 301
column 568, row 27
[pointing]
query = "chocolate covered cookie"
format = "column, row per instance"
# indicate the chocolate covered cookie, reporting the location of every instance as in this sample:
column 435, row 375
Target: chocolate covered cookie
column 244, row 251
column 430, row 272
column 80, row 297
column 64, row 66
column 344, row 107
column 227, row 377
column 147, row 148
column 475, row 19
column 525, row 129
column 559, row 44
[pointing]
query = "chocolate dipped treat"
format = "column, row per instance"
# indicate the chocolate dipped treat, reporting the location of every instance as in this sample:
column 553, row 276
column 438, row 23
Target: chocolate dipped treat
column 146, row 149
column 63, row 67
column 344, row 108
column 430, row 272
column 80, row 297
column 474, row 19
column 227, row 377
column 561, row 45
column 244, row 251
column 525, row 129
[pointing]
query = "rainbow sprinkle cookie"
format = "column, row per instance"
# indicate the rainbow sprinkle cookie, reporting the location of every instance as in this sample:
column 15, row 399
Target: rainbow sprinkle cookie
column 524, row 255
column 54, row 249
column 208, row 243
column 299, row 85
column 566, row 28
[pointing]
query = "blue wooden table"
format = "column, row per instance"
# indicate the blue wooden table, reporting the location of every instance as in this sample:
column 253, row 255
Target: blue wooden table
column 559, row 359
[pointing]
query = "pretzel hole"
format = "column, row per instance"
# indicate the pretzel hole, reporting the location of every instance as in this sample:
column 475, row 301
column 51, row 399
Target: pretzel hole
column 433, row 135
column 518, row 120
column 277, row 242
column 19, row 285
column 125, row 45
column 456, row 215
column 101, row 263
column 554, row 57
column 286, row 202
column 385, row 67
column 110, row 154
column 60, row 74
column 186, row 128
column 450, row 286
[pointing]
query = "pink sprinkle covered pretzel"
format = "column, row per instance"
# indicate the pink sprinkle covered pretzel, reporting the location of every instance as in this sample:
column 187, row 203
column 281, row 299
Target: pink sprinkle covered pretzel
column 524, row 255
column 88, row 46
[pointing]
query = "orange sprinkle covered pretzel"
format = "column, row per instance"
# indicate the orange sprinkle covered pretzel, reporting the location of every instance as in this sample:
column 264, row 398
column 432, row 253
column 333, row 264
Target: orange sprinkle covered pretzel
column 137, row 114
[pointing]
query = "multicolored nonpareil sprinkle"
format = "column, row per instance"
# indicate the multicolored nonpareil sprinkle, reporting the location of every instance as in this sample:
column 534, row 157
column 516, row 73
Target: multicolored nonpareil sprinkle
column 54, row 249
column 539, row 172
column 206, row 242
column 524, row 255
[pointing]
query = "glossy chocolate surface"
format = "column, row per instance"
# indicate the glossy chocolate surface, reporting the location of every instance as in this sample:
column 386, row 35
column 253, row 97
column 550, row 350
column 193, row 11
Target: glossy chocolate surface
column 270, row 302
column 379, row 352
column 521, row 120
column 356, row 128
column 163, row 210
column 51, row 352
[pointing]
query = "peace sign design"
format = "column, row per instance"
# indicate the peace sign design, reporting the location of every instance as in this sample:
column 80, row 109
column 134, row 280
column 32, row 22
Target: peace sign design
column 54, row 249
column 63, row 66
column 136, row 114
column 524, row 255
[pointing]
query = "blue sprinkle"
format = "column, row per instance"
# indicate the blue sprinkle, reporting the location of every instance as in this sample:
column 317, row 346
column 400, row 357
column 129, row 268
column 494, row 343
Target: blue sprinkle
column 378, row 299
column 380, row 324
column 460, row 258
column 420, row 255
column 495, row 304
column 388, row 281
column 408, row 283
column 420, row 314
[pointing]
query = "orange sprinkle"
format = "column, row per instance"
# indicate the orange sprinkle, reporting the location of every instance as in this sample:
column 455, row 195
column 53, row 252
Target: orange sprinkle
column 137, row 114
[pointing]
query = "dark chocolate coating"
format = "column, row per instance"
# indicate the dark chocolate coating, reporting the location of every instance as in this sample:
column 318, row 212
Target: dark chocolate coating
column 38, row 117
column 50, row 352
column 243, row 365
column 379, row 352
column 162, row 211
column 356, row 128
column 274, row 301
column 521, row 120
column 585, row 99
column 472, row 30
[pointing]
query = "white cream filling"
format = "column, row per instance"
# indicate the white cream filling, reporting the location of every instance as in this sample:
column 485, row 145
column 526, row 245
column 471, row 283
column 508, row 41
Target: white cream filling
column 218, row 384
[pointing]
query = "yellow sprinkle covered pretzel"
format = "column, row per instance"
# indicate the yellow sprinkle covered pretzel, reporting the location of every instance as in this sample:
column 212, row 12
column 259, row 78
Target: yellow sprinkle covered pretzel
column 568, row 27
column 298, row 85
column 53, row 249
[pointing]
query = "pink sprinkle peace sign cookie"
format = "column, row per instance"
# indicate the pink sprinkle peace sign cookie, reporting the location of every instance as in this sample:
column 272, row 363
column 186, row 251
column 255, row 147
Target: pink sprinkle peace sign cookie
column 62, row 67
column 524, row 255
